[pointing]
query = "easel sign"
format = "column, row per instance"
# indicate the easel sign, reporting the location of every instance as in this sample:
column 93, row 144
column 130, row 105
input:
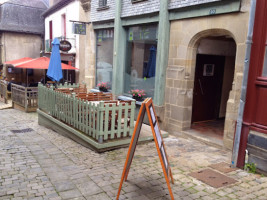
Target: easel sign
column 147, row 106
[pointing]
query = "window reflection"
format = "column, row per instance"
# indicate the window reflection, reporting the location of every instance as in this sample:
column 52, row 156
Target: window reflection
column 141, row 59
column 104, row 56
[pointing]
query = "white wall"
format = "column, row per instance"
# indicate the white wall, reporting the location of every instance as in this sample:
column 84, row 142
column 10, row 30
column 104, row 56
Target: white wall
column 72, row 12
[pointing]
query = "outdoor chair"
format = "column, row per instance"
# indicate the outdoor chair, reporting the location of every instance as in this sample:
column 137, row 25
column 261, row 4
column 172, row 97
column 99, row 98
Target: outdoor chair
column 104, row 96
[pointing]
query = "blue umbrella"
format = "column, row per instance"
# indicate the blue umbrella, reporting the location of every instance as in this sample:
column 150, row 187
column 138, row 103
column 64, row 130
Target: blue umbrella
column 151, row 66
column 54, row 71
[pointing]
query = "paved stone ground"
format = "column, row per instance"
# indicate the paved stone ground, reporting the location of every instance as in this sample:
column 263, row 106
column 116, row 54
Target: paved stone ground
column 5, row 105
column 42, row 164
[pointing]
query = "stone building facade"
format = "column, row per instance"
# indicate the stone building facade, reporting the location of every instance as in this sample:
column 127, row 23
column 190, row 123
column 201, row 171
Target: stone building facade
column 185, row 37
column 59, row 21
column 185, row 31
column 21, row 33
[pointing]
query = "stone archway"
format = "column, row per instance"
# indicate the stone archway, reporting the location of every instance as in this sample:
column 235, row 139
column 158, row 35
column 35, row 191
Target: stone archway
column 185, row 37
column 193, row 49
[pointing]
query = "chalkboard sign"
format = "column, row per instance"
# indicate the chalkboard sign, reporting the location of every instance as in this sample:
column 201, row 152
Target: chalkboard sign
column 147, row 106
column 79, row 29
column 157, row 136
column 135, row 137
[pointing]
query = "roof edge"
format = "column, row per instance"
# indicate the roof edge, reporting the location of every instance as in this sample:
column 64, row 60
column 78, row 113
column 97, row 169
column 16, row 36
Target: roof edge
column 20, row 31
column 26, row 6
column 56, row 7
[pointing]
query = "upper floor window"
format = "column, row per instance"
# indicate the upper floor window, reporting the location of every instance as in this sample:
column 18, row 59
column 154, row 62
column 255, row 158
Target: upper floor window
column 136, row 1
column 102, row 3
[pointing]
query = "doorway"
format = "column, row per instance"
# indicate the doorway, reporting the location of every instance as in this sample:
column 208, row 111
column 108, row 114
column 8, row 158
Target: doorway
column 207, row 87
column 214, row 73
column 68, row 75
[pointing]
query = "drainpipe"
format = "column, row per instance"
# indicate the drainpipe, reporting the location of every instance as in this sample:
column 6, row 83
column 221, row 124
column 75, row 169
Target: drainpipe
column 244, row 85
column 43, row 45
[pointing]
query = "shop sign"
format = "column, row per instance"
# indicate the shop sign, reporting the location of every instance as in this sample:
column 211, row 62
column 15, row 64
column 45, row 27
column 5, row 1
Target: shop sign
column 65, row 45
column 142, row 33
column 79, row 29
column 104, row 34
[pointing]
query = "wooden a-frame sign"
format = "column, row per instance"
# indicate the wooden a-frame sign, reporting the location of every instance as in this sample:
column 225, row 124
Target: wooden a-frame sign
column 148, row 107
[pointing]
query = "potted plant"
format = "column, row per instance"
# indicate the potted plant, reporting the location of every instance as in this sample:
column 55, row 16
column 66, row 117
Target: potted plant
column 137, row 94
column 103, row 86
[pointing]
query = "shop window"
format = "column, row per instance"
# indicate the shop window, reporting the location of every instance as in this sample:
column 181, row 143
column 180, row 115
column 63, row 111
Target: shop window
column 140, row 68
column 104, row 56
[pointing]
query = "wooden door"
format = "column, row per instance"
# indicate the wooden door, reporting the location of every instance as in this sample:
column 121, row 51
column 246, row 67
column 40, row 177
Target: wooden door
column 207, row 87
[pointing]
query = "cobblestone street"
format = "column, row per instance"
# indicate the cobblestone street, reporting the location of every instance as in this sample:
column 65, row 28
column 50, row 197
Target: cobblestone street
column 41, row 164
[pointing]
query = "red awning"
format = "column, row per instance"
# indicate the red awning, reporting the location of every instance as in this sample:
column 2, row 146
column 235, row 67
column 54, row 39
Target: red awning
column 36, row 63
column 21, row 60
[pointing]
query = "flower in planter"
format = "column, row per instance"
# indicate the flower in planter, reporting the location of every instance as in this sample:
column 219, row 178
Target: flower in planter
column 103, row 86
column 137, row 94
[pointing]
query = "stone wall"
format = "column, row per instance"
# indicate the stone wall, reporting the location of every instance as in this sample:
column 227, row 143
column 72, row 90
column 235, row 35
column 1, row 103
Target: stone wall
column 185, row 36
column 90, row 55
column 80, row 52
column 18, row 45
column 86, row 5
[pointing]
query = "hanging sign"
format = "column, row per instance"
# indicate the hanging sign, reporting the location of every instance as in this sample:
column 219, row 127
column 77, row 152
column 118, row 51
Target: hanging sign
column 65, row 45
column 148, row 107
column 79, row 28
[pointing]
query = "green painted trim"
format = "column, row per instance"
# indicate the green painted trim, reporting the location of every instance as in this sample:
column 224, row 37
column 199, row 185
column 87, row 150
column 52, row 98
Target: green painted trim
column 98, row 146
column 119, row 52
column 103, row 25
column 65, row 126
column 226, row 6
column 140, row 20
column 162, row 53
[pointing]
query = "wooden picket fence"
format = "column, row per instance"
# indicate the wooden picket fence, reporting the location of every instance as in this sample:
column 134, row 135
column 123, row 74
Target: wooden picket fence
column 100, row 120
column 4, row 93
column 26, row 98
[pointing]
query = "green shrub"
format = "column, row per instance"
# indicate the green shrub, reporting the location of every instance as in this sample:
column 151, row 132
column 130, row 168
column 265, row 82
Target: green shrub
column 250, row 167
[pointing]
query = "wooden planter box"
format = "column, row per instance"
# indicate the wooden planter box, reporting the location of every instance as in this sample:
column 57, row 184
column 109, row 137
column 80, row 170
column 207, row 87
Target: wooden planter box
column 98, row 121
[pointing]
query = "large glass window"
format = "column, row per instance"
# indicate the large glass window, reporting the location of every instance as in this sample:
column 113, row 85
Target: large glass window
column 104, row 56
column 141, row 59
